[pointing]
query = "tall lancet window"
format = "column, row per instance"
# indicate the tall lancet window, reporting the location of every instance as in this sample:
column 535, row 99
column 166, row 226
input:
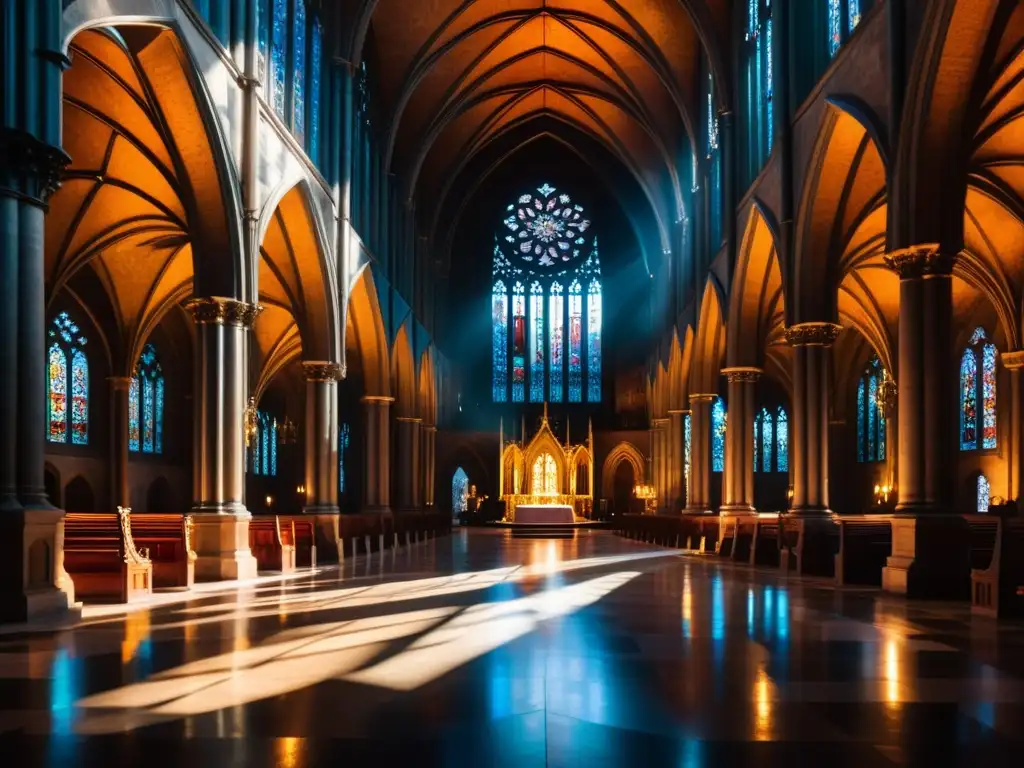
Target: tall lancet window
column 978, row 394
column 718, row 426
column 67, row 374
column 536, row 343
column 870, row 415
column 146, row 404
column 545, row 244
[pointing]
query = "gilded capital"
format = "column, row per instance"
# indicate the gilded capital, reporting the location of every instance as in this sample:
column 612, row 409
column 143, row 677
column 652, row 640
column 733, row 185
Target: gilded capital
column 218, row 310
column 702, row 398
column 747, row 375
column 920, row 261
column 317, row 370
column 812, row 334
column 1013, row 360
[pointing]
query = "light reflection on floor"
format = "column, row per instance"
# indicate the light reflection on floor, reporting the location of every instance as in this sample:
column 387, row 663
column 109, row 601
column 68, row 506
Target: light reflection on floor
column 524, row 652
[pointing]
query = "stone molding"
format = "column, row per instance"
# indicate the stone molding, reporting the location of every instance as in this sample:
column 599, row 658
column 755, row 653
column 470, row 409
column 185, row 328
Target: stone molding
column 37, row 168
column 920, row 261
column 703, row 398
column 218, row 310
column 409, row 419
column 377, row 399
column 320, row 371
column 1013, row 360
column 812, row 334
column 743, row 374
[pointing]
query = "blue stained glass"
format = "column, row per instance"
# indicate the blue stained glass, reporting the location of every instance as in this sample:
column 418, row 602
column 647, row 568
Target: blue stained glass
column 766, row 441
column 133, row 414
column 148, row 425
column 687, row 437
column 556, row 325
column 518, row 343
column 499, row 342
column 264, row 444
column 158, row 439
column 575, row 343
column 279, row 57
column 460, row 491
column 984, row 494
column 853, row 14
column 273, row 448
column 299, row 71
column 344, row 437
column 988, row 396
column 835, row 36
column 594, row 342
column 79, row 398
column 769, row 77
column 757, row 442
column 862, row 421
column 261, row 35
column 781, row 441
column 315, row 69
column 872, row 415
column 968, row 401
column 536, row 343
column 57, row 385
column 719, row 422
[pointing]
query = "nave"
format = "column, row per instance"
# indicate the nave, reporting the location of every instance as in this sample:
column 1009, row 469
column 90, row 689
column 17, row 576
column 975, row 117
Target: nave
column 480, row 649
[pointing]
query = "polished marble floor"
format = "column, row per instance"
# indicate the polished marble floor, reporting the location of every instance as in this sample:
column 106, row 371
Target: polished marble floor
column 481, row 650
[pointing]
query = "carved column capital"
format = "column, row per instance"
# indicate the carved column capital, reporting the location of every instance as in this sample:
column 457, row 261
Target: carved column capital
column 317, row 370
column 218, row 310
column 35, row 168
column 812, row 334
column 408, row 420
column 702, row 398
column 745, row 374
column 377, row 400
column 920, row 261
column 120, row 383
column 1013, row 360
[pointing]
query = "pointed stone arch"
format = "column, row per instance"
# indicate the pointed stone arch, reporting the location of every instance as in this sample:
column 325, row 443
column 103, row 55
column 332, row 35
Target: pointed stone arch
column 709, row 341
column 624, row 451
column 365, row 336
column 403, row 374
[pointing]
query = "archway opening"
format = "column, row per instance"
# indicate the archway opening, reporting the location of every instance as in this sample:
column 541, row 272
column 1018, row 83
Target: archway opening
column 460, row 492
column 622, row 488
column 78, row 496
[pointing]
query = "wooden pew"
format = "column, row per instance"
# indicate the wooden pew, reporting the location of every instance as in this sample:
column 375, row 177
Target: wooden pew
column 764, row 549
column 168, row 538
column 300, row 532
column 865, row 545
column 996, row 590
column 272, row 551
column 101, row 558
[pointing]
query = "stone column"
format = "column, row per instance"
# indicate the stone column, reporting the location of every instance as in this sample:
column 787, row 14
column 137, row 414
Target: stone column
column 929, row 552
column 220, row 519
column 675, row 462
column 1014, row 363
column 321, row 437
column 429, row 437
column 699, row 501
column 120, row 496
column 661, row 462
column 738, row 479
column 811, row 343
column 377, row 458
column 407, row 487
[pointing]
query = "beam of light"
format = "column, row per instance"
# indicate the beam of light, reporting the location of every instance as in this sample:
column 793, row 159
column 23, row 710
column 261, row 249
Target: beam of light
column 762, row 705
column 481, row 629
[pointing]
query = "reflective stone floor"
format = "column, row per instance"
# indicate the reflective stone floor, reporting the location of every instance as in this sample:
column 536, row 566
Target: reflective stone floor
column 482, row 650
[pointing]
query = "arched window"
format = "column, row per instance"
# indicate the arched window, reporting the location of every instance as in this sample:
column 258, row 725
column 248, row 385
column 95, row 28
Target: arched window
column 687, row 443
column 870, row 413
column 984, row 494
column 978, row 393
column 344, row 438
column 544, row 245
column 545, row 476
column 771, row 441
column 460, row 490
column 279, row 56
column 67, row 372
column 263, row 451
column 714, row 168
column 146, row 404
column 718, row 426
column 299, row 70
column 536, row 343
column 316, row 55
column 843, row 18
column 758, row 80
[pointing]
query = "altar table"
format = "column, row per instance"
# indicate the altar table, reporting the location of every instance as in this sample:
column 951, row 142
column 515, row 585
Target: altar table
column 545, row 514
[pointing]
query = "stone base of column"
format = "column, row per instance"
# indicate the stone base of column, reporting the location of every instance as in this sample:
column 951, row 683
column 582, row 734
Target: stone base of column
column 809, row 544
column 380, row 511
column 221, row 544
column 698, row 511
column 737, row 509
column 930, row 557
column 34, row 583
column 330, row 549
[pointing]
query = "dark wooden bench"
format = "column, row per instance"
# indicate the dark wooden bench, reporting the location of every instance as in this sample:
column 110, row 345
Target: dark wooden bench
column 168, row 539
column 272, row 552
column 865, row 545
column 300, row 532
column 997, row 590
column 101, row 558
column 764, row 549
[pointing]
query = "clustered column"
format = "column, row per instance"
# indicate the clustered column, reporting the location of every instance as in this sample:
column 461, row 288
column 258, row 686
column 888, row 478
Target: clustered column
column 119, row 387
column 661, row 462
column 220, row 518
column 675, row 461
column 377, row 457
column 321, row 437
column 429, row 437
column 699, row 501
column 409, row 463
column 738, row 493
column 1014, row 363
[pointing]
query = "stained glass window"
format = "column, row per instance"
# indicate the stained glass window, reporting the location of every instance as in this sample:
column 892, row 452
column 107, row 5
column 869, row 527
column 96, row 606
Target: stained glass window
column 499, row 341
column 536, row 343
column 279, row 57
column 273, row 448
column 344, row 438
column 758, row 421
column 545, row 245
column 594, row 341
column 719, row 423
column 556, row 324
column 545, row 476
column 575, row 343
column 460, row 490
column 781, row 440
column 687, row 436
column 262, row 24
column 146, row 404
column 67, row 343
column 978, row 394
column 759, row 83
column 264, row 421
column 316, row 55
column 852, row 14
column 870, row 413
column 299, row 70
column 835, row 26
column 518, row 343
column 766, row 440
column 984, row 494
